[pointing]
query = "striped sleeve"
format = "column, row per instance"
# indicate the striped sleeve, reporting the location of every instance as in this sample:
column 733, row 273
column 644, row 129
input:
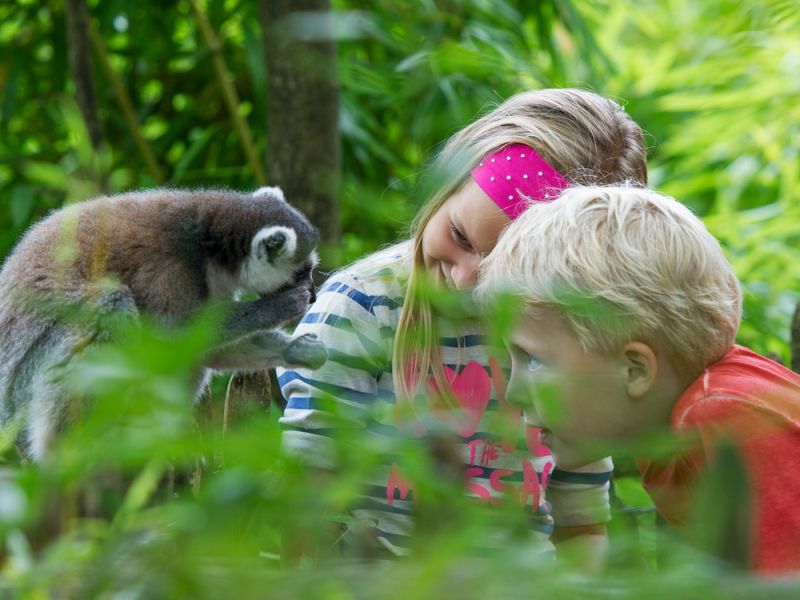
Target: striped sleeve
column 344, row 319
column 580, row 496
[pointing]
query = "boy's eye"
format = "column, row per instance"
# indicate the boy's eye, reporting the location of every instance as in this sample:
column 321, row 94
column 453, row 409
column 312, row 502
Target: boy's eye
column 534, row 364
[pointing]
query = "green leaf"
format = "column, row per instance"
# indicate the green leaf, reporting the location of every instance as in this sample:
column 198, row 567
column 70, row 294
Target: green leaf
column 23, row 201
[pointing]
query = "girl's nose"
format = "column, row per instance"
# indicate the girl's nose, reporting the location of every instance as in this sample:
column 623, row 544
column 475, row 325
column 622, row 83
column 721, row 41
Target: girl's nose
column 464, row 274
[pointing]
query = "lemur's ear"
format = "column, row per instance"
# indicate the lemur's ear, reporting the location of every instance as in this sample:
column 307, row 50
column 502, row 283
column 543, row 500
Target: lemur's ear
column 273, row 243
column 274, row 191
column 272, row 246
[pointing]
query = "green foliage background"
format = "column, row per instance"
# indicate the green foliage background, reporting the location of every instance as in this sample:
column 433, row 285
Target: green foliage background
column 714, row 84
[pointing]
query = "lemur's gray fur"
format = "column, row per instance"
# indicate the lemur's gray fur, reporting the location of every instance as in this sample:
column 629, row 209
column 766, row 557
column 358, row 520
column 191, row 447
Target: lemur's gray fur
column 166, row 252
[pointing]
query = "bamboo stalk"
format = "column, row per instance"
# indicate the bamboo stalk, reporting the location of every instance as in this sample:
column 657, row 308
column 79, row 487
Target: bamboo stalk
column 229, row 95
column 126, row 105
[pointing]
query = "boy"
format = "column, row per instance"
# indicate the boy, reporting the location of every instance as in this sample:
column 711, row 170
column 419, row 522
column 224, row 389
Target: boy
column 630, row 315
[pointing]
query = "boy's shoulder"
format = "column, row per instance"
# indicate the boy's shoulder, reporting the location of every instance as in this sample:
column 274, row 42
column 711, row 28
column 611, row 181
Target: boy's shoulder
column 742, row 383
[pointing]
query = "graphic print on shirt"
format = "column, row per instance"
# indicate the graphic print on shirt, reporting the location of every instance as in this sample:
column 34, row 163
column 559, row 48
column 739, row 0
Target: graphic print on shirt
column 488, row 475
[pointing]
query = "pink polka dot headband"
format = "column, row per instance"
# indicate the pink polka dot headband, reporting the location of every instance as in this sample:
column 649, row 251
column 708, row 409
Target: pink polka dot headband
column 515, row 176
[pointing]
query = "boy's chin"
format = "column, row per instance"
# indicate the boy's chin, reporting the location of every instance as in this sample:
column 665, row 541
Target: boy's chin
column 569, row 457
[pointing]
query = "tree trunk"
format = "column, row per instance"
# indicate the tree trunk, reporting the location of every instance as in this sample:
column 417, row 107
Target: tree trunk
column 303, row 145
column 80, row 61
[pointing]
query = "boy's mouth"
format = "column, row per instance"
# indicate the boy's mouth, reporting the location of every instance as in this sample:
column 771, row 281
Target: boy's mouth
column 545, row 436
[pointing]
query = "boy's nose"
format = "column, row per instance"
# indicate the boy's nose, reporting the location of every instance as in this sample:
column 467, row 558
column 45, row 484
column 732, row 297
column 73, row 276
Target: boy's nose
column 518, row 392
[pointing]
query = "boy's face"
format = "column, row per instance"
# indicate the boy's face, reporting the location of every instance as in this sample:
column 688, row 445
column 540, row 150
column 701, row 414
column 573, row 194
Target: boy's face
column 578, row 398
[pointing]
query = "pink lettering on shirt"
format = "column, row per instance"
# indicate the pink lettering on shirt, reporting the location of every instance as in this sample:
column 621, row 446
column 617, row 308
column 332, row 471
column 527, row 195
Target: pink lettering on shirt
column 546, row 471
column 533, row 437
column 476, row 488
column 530, row 488
column 396, row 482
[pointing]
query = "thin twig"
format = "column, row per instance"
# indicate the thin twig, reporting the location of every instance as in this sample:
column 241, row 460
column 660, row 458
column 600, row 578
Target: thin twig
column 229, row 93
column 126, row 105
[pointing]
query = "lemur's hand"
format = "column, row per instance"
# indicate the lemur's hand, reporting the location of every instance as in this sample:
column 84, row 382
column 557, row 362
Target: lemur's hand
column 289, row 304
column 306, row 351
column 267, row 312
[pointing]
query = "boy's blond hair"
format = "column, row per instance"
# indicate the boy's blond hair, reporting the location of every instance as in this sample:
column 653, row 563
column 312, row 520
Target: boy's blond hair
column 622, row 264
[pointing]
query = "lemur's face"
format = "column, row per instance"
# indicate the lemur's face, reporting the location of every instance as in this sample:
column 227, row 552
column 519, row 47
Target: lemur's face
column 273, row 262
column 283, row 253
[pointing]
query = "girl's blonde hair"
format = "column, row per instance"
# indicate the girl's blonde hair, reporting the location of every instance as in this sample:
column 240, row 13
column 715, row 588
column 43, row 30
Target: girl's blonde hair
column 622, row 264
column 588, row 138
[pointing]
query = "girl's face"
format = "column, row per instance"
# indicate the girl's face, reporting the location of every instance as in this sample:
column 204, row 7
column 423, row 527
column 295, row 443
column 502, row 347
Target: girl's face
column 460, row 234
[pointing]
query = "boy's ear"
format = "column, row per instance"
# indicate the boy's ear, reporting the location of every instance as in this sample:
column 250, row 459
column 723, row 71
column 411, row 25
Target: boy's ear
column 641, row 368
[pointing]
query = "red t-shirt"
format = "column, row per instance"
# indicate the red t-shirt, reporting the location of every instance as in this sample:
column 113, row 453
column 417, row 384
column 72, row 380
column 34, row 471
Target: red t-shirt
column 755, row 403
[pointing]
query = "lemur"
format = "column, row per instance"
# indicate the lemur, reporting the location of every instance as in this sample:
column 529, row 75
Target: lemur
column 160, row 253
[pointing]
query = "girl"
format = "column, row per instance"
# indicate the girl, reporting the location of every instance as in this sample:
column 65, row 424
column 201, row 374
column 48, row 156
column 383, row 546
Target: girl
column 387, row 344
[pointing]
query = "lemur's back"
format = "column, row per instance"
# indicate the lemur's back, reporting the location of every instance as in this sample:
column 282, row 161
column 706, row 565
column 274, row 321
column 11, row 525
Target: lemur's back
column 65, row 261
column 148, row 241
column 151, row 242
column 58, row 264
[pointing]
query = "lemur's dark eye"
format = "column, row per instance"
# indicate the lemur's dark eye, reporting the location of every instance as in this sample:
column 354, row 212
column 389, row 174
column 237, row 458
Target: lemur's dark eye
column 302, row 273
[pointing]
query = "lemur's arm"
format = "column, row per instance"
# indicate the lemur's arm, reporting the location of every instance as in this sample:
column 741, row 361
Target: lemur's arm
column 267, row 349
column 251, row 340
column 268, row 312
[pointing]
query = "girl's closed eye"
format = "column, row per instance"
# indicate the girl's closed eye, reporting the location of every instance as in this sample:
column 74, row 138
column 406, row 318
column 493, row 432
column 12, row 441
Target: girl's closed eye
column 459, row 237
